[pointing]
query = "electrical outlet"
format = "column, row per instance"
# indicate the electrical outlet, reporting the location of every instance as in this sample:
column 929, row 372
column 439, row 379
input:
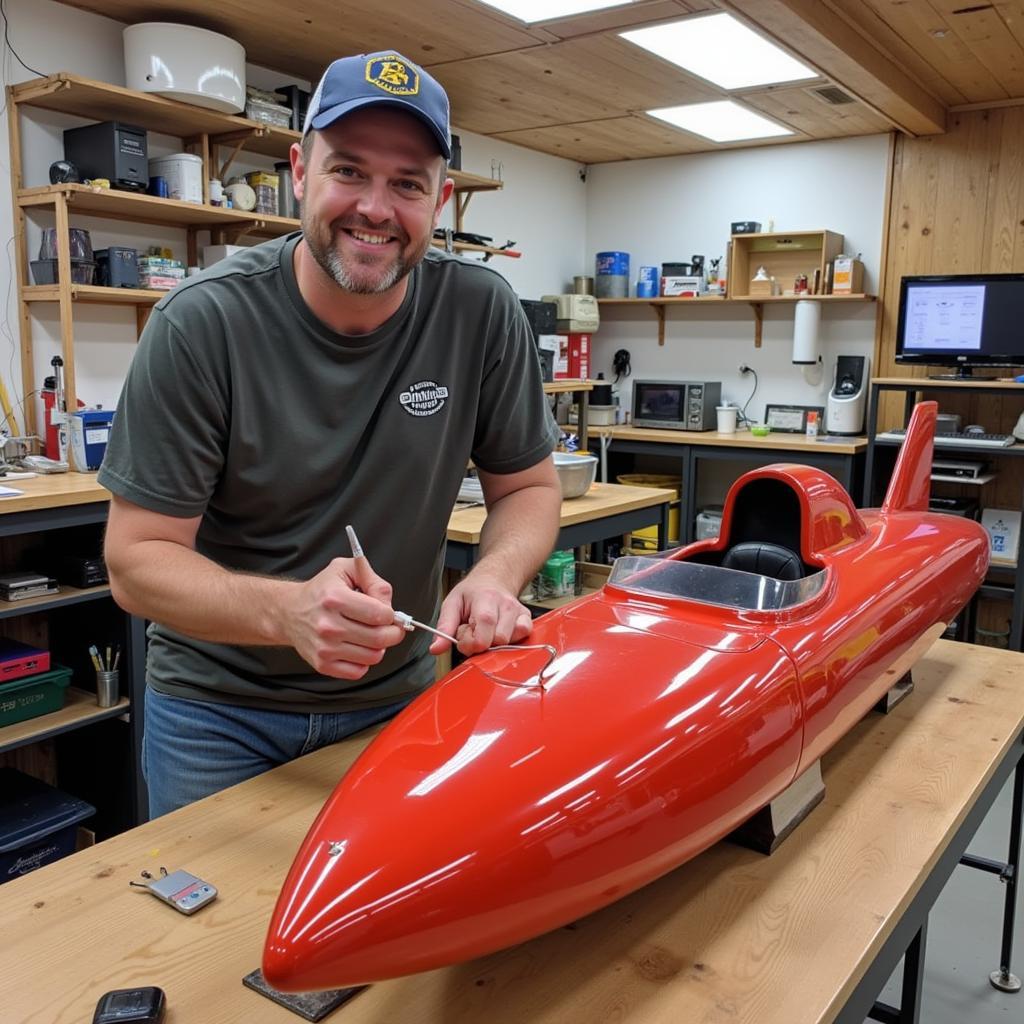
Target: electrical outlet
column 744, row 368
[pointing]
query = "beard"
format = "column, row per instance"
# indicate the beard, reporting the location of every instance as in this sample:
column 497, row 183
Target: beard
column 360, row 275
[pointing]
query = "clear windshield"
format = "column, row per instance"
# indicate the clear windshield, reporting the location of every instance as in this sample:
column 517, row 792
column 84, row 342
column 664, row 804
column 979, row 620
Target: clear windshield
column 711, row 584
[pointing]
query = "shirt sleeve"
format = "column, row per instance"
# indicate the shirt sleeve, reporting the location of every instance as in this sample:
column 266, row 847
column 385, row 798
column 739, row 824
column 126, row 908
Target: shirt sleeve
column 169, row 437
column 515, row 427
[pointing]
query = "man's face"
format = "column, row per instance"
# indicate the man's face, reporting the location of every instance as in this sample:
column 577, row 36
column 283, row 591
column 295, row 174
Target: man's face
column 371, row 194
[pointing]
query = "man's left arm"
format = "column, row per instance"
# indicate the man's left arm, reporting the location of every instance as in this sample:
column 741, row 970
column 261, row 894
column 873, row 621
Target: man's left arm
column 523, row 510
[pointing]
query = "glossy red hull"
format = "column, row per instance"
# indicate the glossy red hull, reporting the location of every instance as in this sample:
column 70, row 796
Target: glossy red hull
column 497, row 806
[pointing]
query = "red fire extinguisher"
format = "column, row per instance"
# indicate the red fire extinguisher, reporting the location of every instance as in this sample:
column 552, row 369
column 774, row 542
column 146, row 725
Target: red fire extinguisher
column 55, row 412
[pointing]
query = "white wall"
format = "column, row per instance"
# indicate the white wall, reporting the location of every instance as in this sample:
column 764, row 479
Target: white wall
column 669, row 208
column 539, row 192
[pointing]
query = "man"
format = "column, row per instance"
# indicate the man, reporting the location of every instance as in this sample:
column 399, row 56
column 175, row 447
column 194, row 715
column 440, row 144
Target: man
column 344, row 374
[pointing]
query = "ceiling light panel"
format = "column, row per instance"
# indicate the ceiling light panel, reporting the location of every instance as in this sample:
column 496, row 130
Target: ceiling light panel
column 532, row 11
column 721, row 121
column 722, row 50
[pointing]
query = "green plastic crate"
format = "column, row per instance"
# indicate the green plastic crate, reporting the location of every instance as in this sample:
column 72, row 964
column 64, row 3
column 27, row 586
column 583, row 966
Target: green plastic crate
column 30, row 696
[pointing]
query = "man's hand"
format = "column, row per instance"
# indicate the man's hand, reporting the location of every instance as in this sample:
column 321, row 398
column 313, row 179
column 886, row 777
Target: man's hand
column 341, row 621
column 481, row 613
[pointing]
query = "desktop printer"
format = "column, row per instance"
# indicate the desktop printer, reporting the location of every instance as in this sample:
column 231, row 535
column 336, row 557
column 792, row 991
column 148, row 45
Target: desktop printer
column 575, row 314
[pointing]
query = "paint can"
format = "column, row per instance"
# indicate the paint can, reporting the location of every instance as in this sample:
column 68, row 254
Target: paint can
column 612, row 278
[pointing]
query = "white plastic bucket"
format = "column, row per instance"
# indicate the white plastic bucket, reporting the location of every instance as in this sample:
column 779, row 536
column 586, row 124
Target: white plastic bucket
column 183, row 173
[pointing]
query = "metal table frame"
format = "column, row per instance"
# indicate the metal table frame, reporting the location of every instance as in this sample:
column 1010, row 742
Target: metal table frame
column 907, row 940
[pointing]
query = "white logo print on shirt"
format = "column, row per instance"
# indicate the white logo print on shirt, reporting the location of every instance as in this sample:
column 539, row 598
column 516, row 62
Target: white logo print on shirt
column 424, row 398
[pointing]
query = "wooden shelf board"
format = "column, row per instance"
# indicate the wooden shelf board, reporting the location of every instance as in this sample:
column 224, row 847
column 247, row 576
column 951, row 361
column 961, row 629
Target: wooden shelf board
column 665, row 300
column 95, row 294
column 153, row 210
column 859, row 297
column 555, row 387
column 66, row 596
column 79, row 707
column 466, row 182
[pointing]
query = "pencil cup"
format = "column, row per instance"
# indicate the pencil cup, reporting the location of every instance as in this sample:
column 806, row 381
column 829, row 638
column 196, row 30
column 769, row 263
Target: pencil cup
column 108, row 689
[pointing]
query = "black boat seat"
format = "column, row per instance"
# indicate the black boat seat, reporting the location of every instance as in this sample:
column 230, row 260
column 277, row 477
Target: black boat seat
column 766, row 559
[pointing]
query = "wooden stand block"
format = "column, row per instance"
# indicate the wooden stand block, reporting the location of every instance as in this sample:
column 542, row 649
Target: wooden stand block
column 766, row 830
column 900, row 689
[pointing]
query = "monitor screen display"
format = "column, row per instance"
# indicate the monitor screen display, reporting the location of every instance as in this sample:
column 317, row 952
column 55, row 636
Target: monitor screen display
column 962, row 320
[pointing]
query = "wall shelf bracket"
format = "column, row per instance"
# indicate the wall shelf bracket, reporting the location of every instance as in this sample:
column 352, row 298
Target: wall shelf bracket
column 758, row 308
column 659, row 312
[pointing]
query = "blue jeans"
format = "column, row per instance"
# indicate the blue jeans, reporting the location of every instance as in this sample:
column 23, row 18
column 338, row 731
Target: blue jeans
column 192, row 748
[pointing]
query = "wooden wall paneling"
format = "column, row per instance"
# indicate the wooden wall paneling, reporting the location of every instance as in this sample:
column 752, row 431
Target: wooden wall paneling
column 593, row 142
column 931, row 50
column 985, row 33
column 619, row 19
column 829, row 43
column 563, row 83
column 800, row 109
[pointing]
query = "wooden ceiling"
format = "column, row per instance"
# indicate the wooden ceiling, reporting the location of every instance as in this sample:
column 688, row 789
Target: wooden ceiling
column 571, row 87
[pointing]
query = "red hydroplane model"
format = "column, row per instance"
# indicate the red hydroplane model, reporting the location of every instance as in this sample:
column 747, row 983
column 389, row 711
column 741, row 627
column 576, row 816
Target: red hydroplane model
column 522, row 792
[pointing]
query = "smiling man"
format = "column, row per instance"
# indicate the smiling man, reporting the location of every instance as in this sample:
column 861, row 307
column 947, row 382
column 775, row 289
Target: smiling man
column 343, row 374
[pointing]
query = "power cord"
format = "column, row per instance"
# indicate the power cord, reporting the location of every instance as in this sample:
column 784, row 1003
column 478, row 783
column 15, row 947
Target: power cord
column 744, row 369
column 620, row 362
column 7, row 42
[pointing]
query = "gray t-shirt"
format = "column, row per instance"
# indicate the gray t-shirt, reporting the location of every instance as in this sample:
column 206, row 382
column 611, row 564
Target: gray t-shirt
column 243, row 407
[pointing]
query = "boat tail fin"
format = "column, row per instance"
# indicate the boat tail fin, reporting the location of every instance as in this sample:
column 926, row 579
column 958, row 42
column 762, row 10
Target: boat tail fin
column 911, row 479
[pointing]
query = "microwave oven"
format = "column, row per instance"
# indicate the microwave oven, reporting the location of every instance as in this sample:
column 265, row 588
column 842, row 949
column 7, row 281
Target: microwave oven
column 676, row 404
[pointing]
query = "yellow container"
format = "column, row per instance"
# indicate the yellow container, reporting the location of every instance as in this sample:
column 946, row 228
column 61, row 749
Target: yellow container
column 647, row 538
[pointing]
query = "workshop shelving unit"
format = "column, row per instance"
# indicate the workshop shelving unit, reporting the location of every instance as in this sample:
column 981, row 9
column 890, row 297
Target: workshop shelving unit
column 93, row 752
column 1009, row 585
column 216, row 137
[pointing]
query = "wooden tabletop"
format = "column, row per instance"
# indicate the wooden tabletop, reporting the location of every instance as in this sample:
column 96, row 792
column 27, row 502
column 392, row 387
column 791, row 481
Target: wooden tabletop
column 774, row 441
column 52, row 490
column 466, row 524
column 731, row 936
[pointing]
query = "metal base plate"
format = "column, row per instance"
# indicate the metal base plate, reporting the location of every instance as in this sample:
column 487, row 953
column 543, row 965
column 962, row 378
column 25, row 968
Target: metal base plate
column 1007, row 982
column 311, row 1006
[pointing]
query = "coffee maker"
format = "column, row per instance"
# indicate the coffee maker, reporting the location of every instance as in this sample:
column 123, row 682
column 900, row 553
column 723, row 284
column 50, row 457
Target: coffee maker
column 846, row 400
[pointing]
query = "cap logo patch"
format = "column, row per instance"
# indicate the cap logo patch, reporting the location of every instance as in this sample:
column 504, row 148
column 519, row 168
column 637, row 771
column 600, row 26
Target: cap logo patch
column 393, row 75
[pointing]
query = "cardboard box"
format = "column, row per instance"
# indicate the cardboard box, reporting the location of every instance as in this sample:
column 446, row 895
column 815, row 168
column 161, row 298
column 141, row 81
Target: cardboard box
column 679, row 286
column 572, row 358
column 214, row 253
column 557, row 345
column 847, row 276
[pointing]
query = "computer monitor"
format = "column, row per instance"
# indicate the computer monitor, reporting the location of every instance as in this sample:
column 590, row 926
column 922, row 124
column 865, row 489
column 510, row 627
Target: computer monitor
column 961, row 321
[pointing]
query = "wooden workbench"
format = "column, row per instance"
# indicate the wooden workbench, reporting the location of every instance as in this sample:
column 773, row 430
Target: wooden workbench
column 732, row 936
column 51, row 490
column 600, row 502
column 776, row 441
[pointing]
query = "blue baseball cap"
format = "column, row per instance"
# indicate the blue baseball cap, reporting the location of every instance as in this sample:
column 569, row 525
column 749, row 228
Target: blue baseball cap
column 378, row 79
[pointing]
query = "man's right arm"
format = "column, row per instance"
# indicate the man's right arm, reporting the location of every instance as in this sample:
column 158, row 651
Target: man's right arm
column 340, row 621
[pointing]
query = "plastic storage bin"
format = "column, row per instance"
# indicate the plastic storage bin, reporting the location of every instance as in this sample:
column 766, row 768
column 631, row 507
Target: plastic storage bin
column 45, row 271
column 647, row 538
column 37, row 823
column 708, row 523
column 30, row 696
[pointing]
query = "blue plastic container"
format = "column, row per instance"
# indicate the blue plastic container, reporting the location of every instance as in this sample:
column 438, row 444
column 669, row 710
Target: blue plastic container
column 647, row 283
column 37, row 823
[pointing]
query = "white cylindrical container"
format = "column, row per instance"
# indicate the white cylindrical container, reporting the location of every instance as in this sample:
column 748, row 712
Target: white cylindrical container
column 186, row 63
column 806, row 326
column 183, row 173
column 726, row 418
